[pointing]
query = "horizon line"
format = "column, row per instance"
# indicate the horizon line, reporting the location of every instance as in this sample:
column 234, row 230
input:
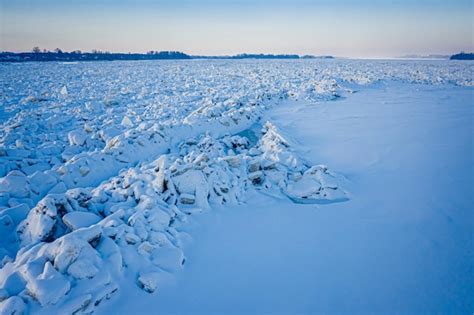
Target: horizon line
column 98, row 51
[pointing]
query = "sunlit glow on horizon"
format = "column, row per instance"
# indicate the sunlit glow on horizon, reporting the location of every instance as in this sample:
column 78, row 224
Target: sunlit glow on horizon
column 369, row 28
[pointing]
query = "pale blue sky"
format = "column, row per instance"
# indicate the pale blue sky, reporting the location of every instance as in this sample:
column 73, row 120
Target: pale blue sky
column 366, row 28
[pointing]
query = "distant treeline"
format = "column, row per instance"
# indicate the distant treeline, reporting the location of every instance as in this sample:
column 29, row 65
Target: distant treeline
column 58, row 55
column 463, row 56
column 263, row 56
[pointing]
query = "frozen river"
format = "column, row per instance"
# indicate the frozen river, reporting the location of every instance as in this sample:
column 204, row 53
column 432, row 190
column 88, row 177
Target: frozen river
column 216, row 187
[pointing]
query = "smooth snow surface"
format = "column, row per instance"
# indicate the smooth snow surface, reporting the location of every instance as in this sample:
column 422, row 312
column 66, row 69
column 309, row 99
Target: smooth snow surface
column 214, row 187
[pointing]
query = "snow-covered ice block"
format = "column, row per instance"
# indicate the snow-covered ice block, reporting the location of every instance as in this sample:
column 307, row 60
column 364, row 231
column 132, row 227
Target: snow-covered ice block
column 79, row 219
column 149, row 281
column 12, row 281
column 126, row 122
column 193, row 182
column 40, row 224
column 168, row 258
column 77, row 137
column 63, row 91
column 17, row 213
column 256, row 177
column 13, row 306
column 304, row 187
column 42, row 182
column 82, row 268
column 16, row 184
column 111, row 254
column 49, row 287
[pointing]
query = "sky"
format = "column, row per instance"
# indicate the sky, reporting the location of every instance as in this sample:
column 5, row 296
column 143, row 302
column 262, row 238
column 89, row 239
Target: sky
column 359, row 28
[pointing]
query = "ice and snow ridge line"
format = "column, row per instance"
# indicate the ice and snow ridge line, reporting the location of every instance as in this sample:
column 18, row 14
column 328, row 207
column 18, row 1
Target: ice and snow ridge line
column 134, row 145
column 77, row 244
column 138, row 143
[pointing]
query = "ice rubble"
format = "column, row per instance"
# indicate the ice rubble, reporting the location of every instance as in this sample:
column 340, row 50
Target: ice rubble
column 131, row 219
column 45, row 128
column 99, row 174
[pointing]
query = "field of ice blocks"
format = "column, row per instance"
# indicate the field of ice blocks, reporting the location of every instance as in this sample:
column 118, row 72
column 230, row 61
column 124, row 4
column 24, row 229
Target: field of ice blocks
column 102, row 162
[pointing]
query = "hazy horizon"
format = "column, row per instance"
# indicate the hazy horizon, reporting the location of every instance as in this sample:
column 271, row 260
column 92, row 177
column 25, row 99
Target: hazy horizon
column 368, row 29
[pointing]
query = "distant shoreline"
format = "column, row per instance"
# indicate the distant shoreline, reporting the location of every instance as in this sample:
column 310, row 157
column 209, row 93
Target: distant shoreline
column 74, row 56
column 78, row 56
